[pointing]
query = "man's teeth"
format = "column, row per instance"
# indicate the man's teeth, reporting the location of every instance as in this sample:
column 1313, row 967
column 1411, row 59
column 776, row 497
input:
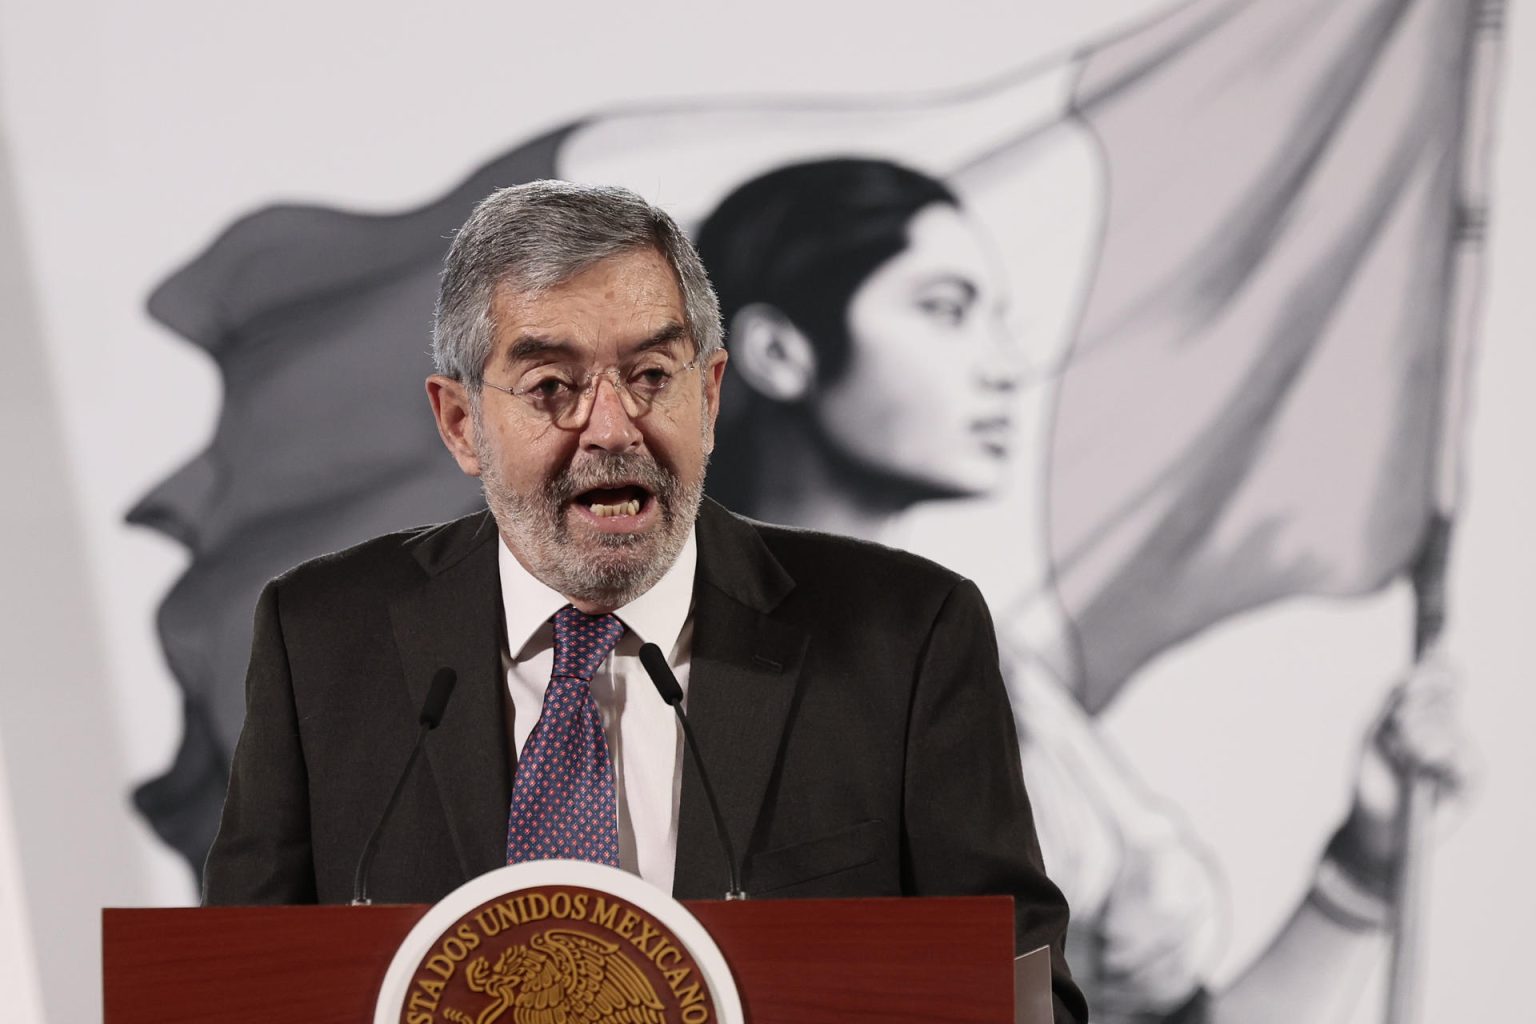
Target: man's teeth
column 623, row 508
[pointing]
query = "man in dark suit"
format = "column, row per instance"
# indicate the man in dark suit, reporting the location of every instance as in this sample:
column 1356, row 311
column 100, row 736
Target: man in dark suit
column 847, row 697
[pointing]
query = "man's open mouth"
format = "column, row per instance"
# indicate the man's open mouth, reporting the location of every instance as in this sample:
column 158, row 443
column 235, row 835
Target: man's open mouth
column 625, row 500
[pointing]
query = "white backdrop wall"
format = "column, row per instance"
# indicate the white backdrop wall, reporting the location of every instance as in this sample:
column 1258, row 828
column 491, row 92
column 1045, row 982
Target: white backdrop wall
column 131, row 135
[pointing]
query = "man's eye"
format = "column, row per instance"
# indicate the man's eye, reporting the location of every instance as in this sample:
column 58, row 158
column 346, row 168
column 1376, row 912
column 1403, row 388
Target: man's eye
column 649, row 379
column 547, row 389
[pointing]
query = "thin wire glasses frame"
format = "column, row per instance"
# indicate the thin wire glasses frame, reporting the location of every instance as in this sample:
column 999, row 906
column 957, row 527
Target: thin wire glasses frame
column 569, row 404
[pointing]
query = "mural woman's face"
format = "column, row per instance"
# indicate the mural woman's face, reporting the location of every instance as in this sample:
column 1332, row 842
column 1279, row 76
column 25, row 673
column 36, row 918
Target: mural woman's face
column 925, row 398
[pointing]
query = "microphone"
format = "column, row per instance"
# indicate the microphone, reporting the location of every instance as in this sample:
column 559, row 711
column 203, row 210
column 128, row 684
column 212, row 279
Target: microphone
column 666, row 684
column 432, row 709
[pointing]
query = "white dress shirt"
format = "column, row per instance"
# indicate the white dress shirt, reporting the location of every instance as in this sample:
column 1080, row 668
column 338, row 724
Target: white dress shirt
column 644, row 738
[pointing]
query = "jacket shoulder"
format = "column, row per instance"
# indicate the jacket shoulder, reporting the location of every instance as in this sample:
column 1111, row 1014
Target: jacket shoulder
column 850, row 565
column 386, row 563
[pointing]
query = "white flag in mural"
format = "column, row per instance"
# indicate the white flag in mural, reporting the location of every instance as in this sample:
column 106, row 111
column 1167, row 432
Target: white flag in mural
column 1253, row 407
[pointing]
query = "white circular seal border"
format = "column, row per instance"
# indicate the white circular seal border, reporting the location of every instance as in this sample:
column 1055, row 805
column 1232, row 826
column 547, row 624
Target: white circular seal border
column 516, row 877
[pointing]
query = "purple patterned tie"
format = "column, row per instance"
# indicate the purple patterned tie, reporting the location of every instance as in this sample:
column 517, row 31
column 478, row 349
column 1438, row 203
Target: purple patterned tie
column 562, row 795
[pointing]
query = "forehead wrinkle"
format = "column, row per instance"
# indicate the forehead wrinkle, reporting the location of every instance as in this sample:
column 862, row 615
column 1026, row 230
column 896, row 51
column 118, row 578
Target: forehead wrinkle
column 605, row 305
column 532, row 346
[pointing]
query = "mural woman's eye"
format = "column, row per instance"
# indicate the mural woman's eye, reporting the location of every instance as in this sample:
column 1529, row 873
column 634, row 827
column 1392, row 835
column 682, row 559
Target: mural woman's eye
column 946, row 310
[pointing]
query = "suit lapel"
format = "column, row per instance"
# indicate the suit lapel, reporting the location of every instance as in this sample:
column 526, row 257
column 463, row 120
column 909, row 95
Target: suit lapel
column 454, row 620
column 741, row 683
column 742, row 680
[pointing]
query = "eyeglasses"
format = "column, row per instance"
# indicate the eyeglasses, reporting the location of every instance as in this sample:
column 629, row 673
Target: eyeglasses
column 565, row 395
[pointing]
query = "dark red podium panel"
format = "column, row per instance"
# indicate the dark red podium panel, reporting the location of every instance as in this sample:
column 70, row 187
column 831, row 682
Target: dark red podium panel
column 795, row 961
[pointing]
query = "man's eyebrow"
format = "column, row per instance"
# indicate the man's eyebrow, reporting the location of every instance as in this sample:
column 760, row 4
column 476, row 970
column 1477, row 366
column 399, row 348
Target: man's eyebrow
column 534, row 346
column 529, row 347
column 673, row 331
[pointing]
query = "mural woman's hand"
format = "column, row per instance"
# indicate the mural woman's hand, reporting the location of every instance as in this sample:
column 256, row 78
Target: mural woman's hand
column 1415, row 737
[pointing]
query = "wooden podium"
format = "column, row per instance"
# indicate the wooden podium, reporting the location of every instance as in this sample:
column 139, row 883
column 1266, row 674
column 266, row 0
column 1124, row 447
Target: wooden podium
column 795, row 961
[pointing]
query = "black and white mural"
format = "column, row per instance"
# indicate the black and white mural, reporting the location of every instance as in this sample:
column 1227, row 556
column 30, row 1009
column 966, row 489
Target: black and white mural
column 1168, row 323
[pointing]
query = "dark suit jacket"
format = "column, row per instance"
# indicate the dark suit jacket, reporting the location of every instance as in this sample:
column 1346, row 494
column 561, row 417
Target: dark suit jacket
column 846, row 696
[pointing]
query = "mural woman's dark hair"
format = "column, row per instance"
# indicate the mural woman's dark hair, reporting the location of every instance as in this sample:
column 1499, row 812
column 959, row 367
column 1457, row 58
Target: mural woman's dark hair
column 802, row 239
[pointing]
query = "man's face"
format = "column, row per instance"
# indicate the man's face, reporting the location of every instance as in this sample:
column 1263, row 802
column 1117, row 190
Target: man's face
column 596, row 501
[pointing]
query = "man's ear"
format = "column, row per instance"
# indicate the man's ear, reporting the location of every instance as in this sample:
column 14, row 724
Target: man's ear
column 714, row 374
column 771, row 354
column 455, row 421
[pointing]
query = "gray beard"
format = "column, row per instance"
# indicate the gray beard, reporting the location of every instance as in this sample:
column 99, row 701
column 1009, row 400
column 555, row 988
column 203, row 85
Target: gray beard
column 622, row 566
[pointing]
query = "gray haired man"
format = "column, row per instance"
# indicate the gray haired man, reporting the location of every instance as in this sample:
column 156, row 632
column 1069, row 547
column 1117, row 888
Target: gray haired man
column 847, row 696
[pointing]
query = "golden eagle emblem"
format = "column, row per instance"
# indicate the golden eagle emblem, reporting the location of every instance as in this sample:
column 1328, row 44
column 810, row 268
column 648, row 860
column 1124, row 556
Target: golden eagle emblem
column 562, row 977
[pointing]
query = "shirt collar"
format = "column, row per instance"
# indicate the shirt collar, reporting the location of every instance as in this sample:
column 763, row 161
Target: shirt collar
column 656, row 616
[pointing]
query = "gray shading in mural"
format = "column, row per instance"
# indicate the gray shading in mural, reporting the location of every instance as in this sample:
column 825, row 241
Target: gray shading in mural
column 1266, row 389
column 1233, row 391
column 1291, row 243
column 320, row 323
column 832, row 429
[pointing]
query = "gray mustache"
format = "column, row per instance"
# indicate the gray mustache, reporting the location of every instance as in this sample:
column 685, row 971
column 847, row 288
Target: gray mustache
column 612, row 469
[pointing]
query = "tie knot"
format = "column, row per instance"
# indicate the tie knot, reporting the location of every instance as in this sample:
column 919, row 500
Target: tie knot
column 582, row 641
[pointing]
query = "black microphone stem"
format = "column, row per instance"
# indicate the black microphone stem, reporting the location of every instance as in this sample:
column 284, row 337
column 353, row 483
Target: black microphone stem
column 360, row 880
column 655, row 664
column 735, row 892
column 432, row 709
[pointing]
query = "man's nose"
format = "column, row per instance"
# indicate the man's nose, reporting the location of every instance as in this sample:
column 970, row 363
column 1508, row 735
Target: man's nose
column 609, row 426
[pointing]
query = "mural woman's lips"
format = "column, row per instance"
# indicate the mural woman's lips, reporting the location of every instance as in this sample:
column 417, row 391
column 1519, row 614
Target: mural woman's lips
column 623, row 508
column 994, row 434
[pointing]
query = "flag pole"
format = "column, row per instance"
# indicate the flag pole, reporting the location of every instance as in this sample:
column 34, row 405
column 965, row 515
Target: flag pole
column 1413, row 824
column 1429, row 568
